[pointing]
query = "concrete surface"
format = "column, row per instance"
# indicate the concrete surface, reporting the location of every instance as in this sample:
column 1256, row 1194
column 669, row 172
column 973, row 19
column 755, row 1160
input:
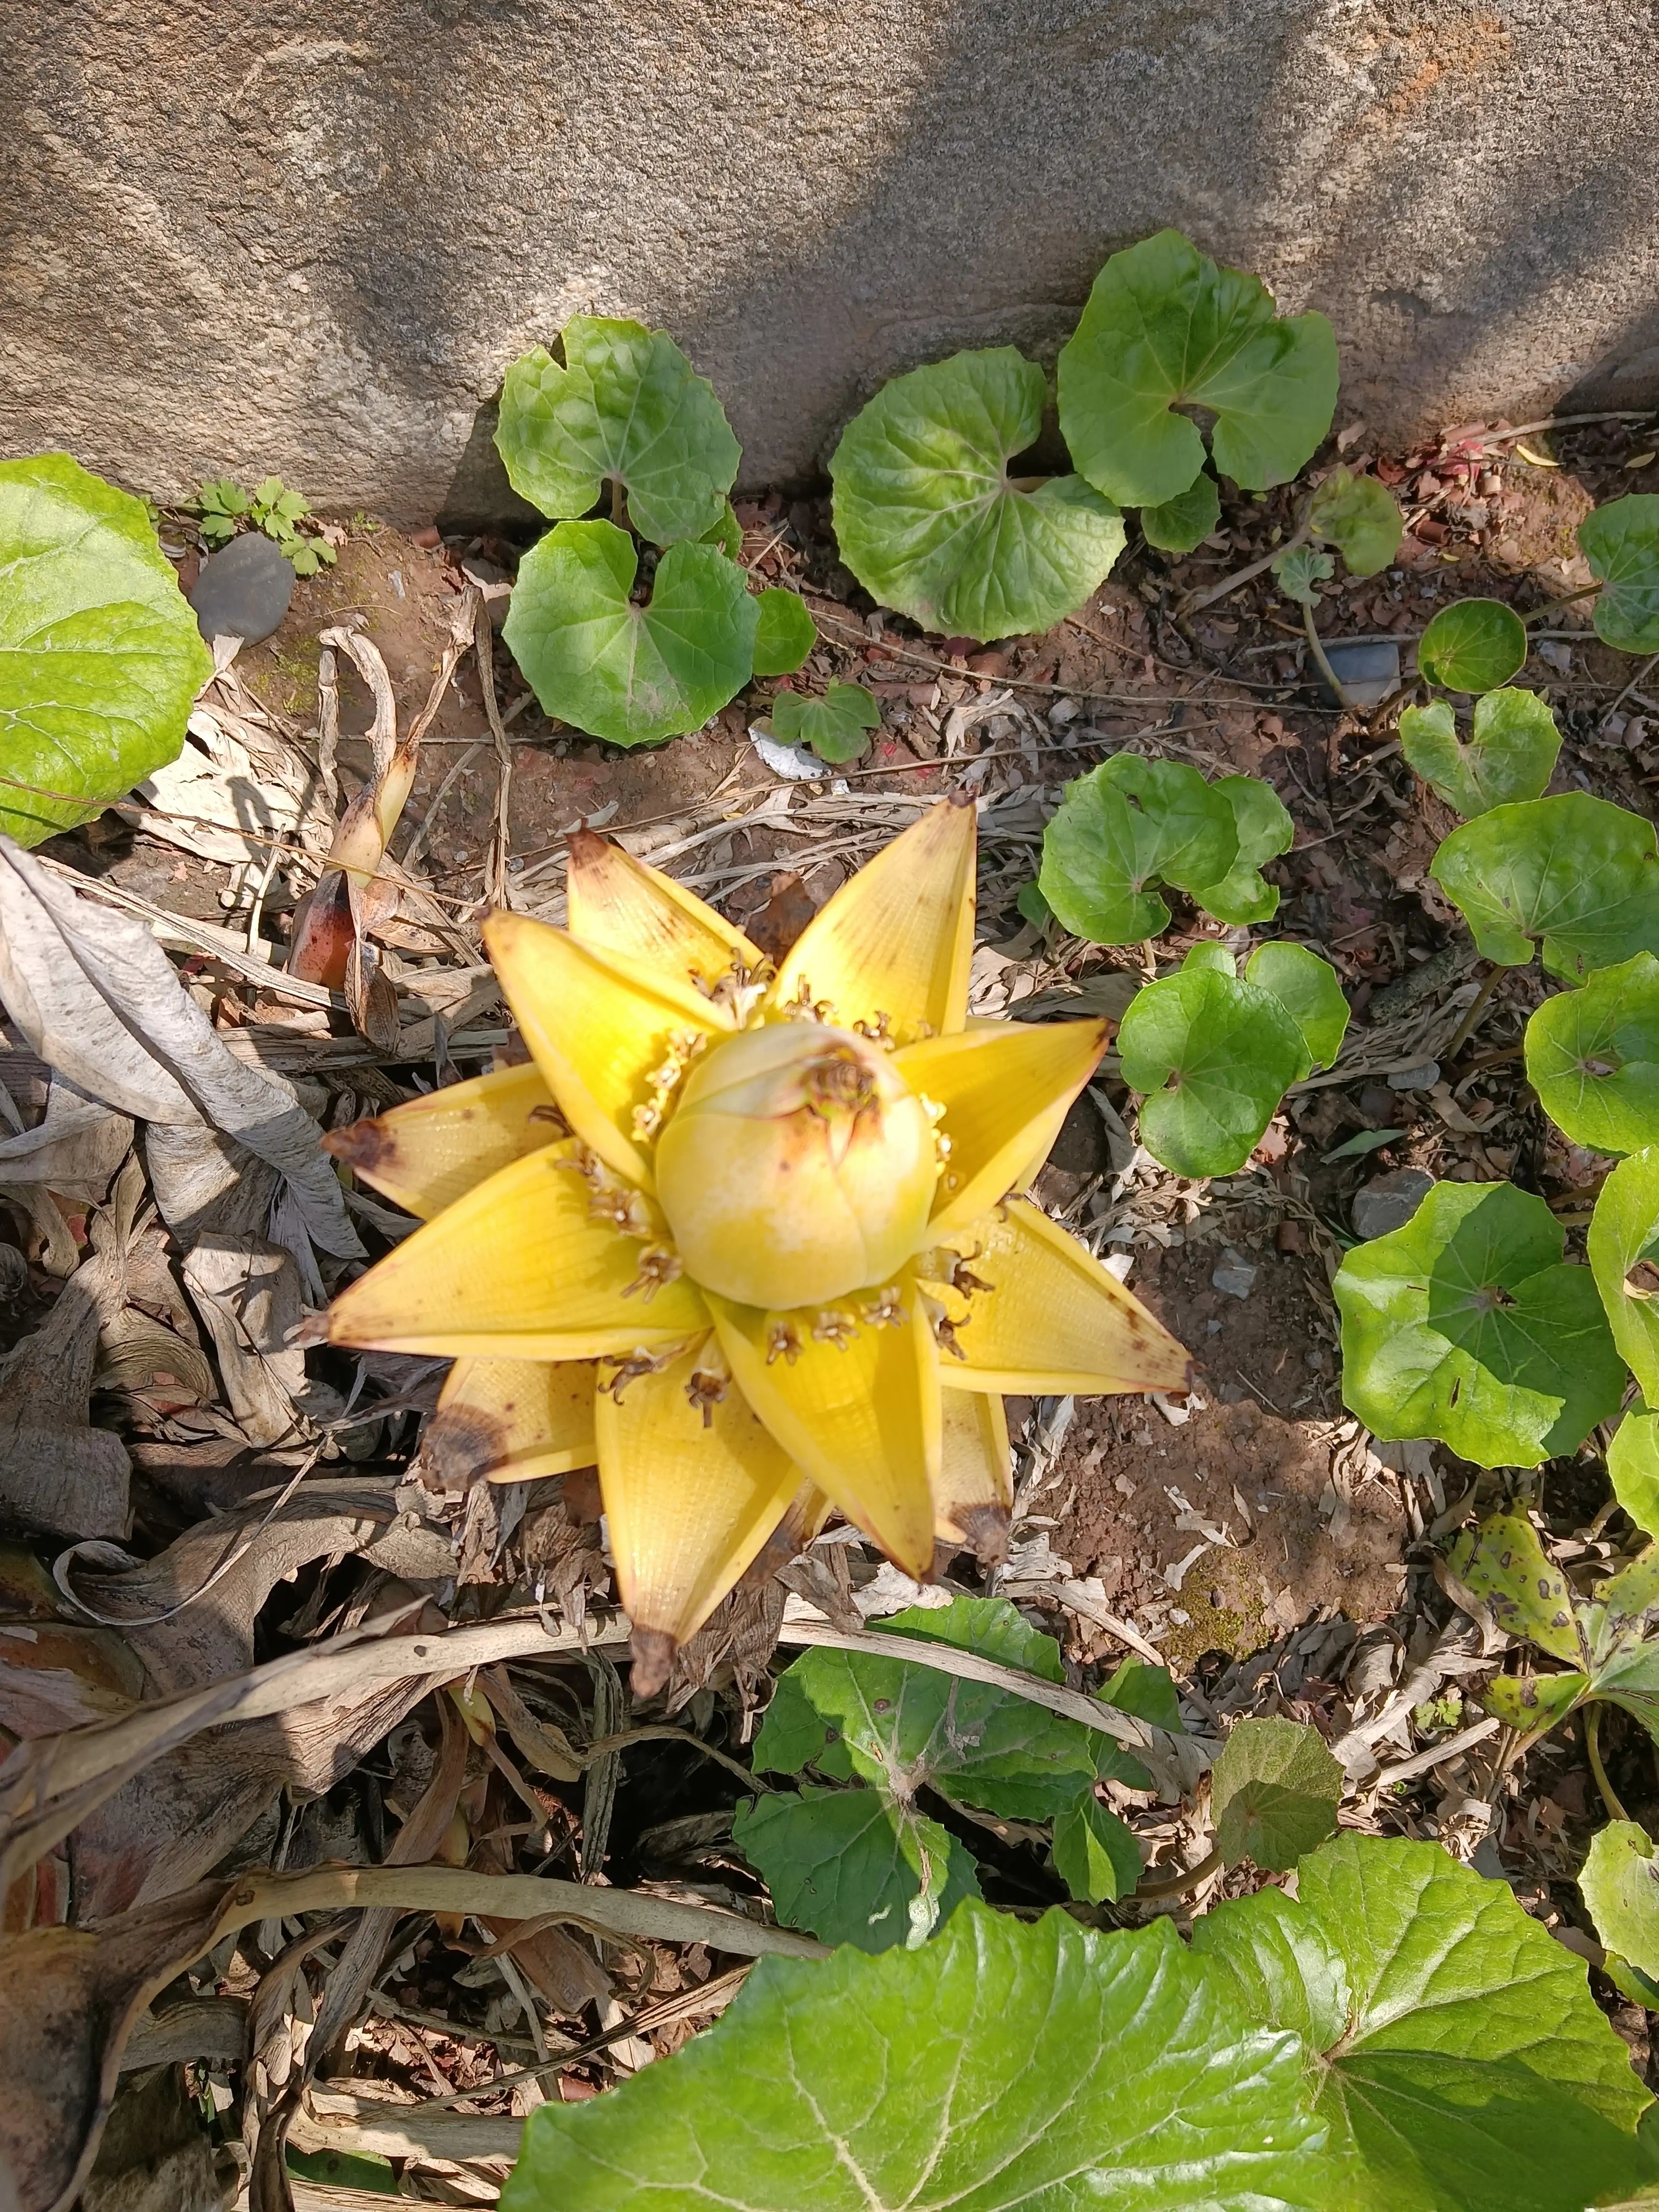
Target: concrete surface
column 309, row 236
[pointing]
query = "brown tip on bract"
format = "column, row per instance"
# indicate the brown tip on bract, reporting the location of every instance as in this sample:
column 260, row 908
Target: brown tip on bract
column 959, row 795
column 653, row 1658
column 464, row 1444
column 365, row 1145
column 984, row 1531
column 585, row 845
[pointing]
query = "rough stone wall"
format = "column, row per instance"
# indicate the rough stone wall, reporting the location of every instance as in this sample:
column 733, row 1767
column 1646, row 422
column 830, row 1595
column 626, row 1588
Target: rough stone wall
column 309, row 236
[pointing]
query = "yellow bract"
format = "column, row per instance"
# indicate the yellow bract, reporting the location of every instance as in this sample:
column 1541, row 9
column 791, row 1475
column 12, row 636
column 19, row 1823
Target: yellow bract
column 749, row 1241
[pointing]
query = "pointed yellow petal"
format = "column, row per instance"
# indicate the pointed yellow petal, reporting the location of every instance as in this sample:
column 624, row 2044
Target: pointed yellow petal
column 427, row 1154
column 1052, row 1319
column 512, row 1420
column 1005, row 1092
column 859, row 1417
column 518, row 1269
column 646, row 922
column 688, row 1506
column 974, row 1493
column 602, row 1038
column 897, row 938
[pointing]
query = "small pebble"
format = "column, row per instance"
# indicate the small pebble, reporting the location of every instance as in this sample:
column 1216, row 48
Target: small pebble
column 1234, row 1278
column 243, row 589
column 1416, row 1079
column 1368, row 673
column 1388, row 1201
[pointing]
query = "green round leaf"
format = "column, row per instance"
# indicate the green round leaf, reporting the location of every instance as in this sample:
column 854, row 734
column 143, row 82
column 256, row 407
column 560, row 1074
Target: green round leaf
column 837, row 726
column 854, row 1866
column 1474, row 645
column 1457, row 2047
column 1593, row 1058
column 99, row 653
column 1166, row 328
column 1358, row 516
column 1511, row 757
column 1300, row 572
column 1264, row 830
column 1214, row 1056
column 1308, row 990
column 1624, row 1250
column 1215, row 958
column 784, row 635
column 627, row 406
column 1000, row 2066
column 1633, row 1467
column 1468, row 1326
column 1620, row 1882
column 1620, row 541
column 1129, row 825
column 1274, row 1789
column 1180, row 524
column 929, row 521
column 1576, row 871
column 1096, row 1856
column 632, row 675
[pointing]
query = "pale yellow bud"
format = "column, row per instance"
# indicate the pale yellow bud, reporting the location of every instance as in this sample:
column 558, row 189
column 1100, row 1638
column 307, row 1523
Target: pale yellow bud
column 798, row 1166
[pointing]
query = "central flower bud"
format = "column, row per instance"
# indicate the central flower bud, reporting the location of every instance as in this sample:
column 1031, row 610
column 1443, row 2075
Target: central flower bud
column 798, row 1166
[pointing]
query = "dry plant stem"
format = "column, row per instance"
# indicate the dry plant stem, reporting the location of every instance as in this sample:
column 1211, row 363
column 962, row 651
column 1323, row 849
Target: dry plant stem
column 1635, row 685
column 1593, row 1752
column 622, row 1912
column 483, row 636
column 1196, row 601
column 1467, row 1027
column 1172, row 1885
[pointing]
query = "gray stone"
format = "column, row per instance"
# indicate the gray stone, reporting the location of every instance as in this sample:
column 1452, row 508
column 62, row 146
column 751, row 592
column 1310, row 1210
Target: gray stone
column 1423, row 1077
column 1368, row 673
column 1388, row 1201
column 308, row 236
column 243, row 589
column 1234, row 1278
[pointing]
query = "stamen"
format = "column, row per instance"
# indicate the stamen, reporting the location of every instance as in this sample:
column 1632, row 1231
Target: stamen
column 884, row 1311
column 706, row 1390
column 658, row 1264
column 835, row 1327
column 550, row 1114
column 638, row 1362
column 783, row 1342
column 684, row 1046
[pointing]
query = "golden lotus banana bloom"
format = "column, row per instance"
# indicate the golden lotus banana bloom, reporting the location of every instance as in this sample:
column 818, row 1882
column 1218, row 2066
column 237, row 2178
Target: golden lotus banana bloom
column 749, row 1239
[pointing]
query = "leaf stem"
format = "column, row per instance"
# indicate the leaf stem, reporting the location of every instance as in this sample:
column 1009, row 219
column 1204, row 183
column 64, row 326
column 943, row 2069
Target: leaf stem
column 1195, row 601
column 1593, row 1748
column 618, row 503
column 1466, row 1028
column 1171, row 1885
column 1325, row 669
column 1585, row 591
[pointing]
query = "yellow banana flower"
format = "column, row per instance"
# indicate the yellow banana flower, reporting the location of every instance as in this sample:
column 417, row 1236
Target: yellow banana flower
column 739, row 1236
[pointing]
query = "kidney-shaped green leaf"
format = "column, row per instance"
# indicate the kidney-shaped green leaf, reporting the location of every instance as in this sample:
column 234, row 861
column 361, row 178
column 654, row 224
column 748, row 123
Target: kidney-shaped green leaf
column 626, row 407
column 1465, row 2060
column 930, row 522
column 784, row 633
column 1165, row 329
column 1129, row 825
column 837, row 726
column 1624, row 1254
column 1359, row 517
column 1212, row 1057
column 1178, row 525
column 856, row 1866
column 1467, row 1325
column 1620, row 541
column 1576, row 871
column 1048, row 2068
column 1511, row 755
column 1593, row 1058
column 1474, row 645
column 632, row 675
column 1274, row 1789
column 1311, row 993
column 1620, row 1882
column 1264, row 830
column 99, row 653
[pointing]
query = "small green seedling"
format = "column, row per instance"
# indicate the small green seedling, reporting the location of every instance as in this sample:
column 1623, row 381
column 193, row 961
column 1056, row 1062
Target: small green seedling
column 1467, row 1325
column 835, row 727
column 1359, row 515
column 1164, row 329
column 931, row 524
column 1399, row 2034
column 864, row 1866
column 1300, row 570
column 1620, row 541
column 1128, row 826
column 1474, row 645
column 1213, row 1053
column 1274, row 1789
column 271, row 507
column 1510, row 758
column 100, row 655
column 1575, row 873
column 1604, row 1640
column 631, row 674
column 1623, row 1245
column 1593, row 1058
